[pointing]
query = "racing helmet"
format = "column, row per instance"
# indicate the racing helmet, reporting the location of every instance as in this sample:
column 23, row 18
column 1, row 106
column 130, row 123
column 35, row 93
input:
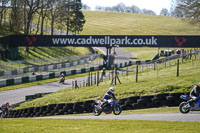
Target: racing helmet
column 112, row 89
column 198, row 84
column 7, row 103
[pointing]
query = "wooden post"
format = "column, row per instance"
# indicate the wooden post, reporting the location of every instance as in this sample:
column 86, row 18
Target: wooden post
column 118, row 77
column 97, row 78
column 127, row 72
column 115, row 75
column 137, row 73
column 84, row 83
column 177, row 68
column 89, row 79
column 76, row 84
column 72, row 84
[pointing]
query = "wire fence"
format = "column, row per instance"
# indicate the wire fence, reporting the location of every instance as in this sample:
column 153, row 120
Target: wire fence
column 95, row 78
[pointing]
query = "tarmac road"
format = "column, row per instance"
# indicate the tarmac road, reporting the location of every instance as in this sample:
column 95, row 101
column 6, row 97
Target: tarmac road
column 18, row 95
column 193, row 116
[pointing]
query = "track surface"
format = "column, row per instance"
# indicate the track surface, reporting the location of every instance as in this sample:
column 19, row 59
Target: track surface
column 193, row 116
column 18, row 95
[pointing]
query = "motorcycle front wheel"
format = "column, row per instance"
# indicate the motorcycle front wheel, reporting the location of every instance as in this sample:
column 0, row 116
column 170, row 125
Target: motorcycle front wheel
column 3, row 114
column 96, row 111
column 117, row 110
column 183, row 108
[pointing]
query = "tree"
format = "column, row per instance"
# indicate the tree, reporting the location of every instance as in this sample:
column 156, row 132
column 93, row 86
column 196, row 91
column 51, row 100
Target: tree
column 191, row 10
column 135, row 9
column 121, row 7
column 16, row 20
column 164, row 12
column 54, row 6
column 3, row 9
column 85, row 7
column 150, row 12
column 30, row 8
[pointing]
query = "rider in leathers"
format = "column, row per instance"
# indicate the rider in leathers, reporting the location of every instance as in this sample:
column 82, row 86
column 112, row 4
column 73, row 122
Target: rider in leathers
column 195, row 93
column 108, row 95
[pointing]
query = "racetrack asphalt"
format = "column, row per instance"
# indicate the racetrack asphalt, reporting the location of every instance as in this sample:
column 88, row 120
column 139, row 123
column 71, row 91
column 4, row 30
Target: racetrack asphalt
column 193, row 116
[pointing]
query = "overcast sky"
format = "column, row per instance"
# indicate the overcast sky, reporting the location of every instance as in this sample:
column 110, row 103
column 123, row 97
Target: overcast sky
column 155, row 5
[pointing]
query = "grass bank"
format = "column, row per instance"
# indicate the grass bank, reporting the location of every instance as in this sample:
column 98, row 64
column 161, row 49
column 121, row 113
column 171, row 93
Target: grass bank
column 161, row 80
column 112, row 23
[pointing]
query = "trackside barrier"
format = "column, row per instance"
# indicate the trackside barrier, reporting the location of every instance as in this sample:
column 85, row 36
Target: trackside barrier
column 130, row 103
column 82, row 60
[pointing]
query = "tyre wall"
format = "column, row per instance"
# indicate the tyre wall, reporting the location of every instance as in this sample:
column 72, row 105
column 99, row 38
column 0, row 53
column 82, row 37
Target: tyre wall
column 130, row 103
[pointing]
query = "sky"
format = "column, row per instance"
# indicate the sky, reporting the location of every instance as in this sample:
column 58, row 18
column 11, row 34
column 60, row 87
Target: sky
column 154, row 5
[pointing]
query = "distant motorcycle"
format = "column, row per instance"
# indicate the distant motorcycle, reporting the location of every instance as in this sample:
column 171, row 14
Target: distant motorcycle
column 3, row 112
column 112, row 106
column 185, row 107
column 62, row 80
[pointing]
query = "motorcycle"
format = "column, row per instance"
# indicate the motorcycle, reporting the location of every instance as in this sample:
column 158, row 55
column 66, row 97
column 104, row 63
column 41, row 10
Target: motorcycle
column 3, row 112
column 62, row 80
column 111, row 106
column 185, row 107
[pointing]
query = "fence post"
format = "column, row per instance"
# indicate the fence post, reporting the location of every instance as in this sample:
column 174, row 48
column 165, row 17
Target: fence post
column 91, row 79
column 127, row 72
column 97, row 78
column 177, row 68
column 137, row 73
column 72, row 84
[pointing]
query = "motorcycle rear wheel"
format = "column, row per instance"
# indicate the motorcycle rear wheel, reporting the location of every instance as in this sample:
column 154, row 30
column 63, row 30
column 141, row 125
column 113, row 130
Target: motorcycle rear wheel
column 117, row 110
column 183, row 109
column 97, row 111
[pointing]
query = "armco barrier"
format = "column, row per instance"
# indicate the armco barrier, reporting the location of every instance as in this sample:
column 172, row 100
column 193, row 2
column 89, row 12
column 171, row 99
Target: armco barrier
column 32, row 78
column 130, row 103
column 83, row 59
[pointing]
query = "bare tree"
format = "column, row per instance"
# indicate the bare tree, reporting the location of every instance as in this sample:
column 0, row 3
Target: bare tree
column 164, row 12
column 150, row 12
column 85, row 7
column 191, row 10
column 43, row 12
column 16, row 13
column 30, row 8
column 54, row 6
column 3, row 9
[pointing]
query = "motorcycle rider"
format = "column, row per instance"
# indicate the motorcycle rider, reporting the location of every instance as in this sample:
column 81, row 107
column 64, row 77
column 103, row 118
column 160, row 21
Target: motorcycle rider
column 62, row 77
column 195, row 93
column 108, row 95
column 5, row 106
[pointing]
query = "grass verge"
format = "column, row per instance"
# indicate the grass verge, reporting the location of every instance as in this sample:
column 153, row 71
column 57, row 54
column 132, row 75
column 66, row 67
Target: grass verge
column 97, row 126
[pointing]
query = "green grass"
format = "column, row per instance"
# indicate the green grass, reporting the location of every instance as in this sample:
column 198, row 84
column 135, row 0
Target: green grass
column 163, row 80
column 110, row 23
column 143, row 53
column 97, row 126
